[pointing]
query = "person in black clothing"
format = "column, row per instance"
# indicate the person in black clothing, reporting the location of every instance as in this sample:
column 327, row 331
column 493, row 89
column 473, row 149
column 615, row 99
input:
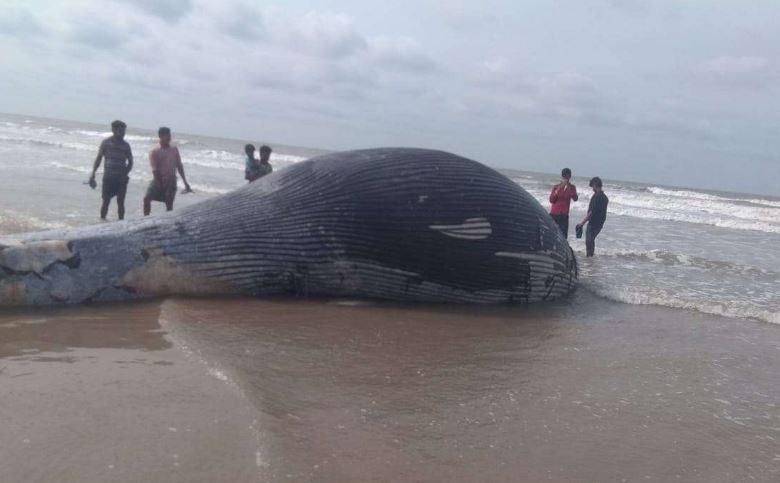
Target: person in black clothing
column 597, row 215
column 116, row 170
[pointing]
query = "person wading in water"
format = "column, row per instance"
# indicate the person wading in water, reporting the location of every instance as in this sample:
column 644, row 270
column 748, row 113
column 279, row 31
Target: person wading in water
column 116, row 171
column 165, row 160
column 561, row 197
column 597, row 215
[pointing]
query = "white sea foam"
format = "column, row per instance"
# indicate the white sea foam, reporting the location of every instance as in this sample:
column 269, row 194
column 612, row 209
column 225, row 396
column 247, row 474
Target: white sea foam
column 14, row 221
column 677, row 259
column 70, row 167
column 145, row 139
column 709, row 197
column 699, row 208
column 719, row 220
column 105, row 134
column 668, row 298
column 205, row 188
column 92, row 133
column 218, row 159
column 45, row 143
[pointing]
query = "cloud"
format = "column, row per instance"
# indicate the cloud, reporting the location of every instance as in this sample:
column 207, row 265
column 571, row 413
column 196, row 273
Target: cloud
column 465, row 15
column 495, row 66
column 315, row 33
column 402, row 52
column 169, row 10
column 351, row 78
column 313, row 77
column 568, row 94
column 666, row 9
column 571, row 88
column 735, row 66
column 663, row 122
column 750, row 71
column 18, row 21
column 238, row 19
column 507, row 93
column 98, row 34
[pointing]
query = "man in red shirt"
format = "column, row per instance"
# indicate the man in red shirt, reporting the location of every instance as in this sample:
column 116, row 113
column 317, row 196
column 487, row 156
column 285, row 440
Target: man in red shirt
column 561, row 197
column 165, row 161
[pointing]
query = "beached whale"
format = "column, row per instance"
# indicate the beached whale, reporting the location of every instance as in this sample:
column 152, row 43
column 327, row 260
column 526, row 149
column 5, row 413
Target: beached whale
column 395, row 223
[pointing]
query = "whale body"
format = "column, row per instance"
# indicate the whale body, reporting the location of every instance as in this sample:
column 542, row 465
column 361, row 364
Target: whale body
column 393, row 223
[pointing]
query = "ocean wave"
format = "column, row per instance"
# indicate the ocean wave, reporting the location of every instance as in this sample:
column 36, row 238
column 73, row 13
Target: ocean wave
column 14, row 222
column 696, row 206
column 721, row 221
column 723, row 214
column 668, row 298
column 145, row 139
column 665, row 257
column 709, row 197
column 105, row 134
column 135, row 175
column 141, row 176
column 218, row 159
column 205, row 188
column 83, row 132
column 70, row 167
column 51, row 144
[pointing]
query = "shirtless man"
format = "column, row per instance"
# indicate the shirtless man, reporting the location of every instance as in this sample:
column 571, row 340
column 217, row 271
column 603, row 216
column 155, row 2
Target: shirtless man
column 165, row 160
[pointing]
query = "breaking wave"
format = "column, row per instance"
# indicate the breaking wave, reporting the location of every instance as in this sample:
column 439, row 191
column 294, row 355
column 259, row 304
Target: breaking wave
column 670, row 298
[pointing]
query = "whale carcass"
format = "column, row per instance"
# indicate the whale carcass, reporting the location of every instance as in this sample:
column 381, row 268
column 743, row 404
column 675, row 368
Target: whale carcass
column 394, row 223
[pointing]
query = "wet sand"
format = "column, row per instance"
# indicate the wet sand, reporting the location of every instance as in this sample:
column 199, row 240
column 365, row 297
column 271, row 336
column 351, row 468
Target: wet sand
column 251, row 390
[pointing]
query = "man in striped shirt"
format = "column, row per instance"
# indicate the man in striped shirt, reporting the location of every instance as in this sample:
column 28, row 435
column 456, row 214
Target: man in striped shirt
column 119, row 163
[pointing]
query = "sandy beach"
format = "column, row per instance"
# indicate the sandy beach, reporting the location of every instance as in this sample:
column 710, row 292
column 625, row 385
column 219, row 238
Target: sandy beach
column 252, row 390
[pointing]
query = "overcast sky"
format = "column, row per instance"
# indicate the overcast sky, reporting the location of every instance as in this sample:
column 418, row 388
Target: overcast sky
column 679, row 92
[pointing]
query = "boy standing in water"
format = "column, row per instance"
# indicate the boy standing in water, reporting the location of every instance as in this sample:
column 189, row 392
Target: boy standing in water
column 561, row 197
column 251, row 169
column 597, row 215
column 265, row 166
column 165, row 161
column 119, row 163
column 256, row 169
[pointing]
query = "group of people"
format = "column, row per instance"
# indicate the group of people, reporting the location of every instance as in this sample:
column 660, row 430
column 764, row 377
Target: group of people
column 254, row 168
column 564, row 193
column 165, row 161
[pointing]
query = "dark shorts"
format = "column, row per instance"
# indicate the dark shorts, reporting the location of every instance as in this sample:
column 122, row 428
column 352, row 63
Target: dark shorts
column 114, row 185
column 563, row 223
column 592, row 231
column 166, row 193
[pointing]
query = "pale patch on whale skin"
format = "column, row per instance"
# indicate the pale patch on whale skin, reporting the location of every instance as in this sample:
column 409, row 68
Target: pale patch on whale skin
column 470, row 229
column 162, row 275
column 34, row 256
column 13, row 293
